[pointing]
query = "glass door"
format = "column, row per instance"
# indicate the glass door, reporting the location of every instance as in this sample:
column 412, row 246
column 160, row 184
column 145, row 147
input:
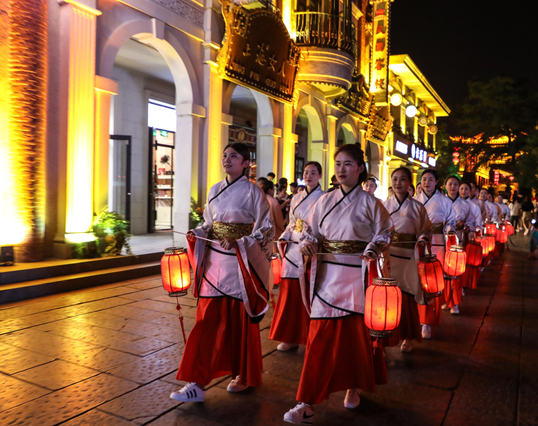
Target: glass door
column 161, row 200
column 119, row 186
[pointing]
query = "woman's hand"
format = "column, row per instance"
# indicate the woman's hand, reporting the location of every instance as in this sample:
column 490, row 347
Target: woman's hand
column 310, row 249
column 229, row 244
column 369, row 256
column 191, row 237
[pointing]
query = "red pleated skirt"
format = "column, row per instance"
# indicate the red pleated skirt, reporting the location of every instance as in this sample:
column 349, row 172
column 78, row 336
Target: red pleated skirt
column 223, row 341
column 409, row 328
column 453, row 292
column 470, row 277
column 431, row 314
column 291, row 320
column 338, row 357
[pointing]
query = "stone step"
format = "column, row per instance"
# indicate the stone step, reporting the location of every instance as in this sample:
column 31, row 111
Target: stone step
column 23, row 272
column 43, row 287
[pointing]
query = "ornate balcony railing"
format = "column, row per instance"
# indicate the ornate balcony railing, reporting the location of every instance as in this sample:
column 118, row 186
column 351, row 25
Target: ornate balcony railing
column 325, row 30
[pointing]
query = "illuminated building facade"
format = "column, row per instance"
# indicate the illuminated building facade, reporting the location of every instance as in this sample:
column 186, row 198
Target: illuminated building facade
column 415, row 107
column 132, row 102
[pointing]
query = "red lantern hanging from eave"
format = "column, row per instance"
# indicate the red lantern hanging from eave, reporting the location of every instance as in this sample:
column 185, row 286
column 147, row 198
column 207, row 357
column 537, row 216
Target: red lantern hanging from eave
column 383, row 307
column 276, row 266
column 175, row 271
column 455, row 261
column 474, row 254
column 430, row 272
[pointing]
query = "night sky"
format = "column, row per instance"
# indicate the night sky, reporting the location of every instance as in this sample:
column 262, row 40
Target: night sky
column 453, row 42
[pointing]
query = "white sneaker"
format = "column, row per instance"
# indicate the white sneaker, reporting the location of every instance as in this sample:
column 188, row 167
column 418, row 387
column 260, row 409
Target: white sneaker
column 353, row 398
column 444, row 307
column 407, row 346
column 189, row 393
column 426, row 331
column 526, row 232
column 301, row 414
column 455, row 310
column 236, row 386
column 286, row 346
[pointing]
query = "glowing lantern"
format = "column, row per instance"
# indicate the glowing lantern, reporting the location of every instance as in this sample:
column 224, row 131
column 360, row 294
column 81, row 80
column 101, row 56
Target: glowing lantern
column 430, row 272
column 509, row 228
column 455, row 260
column 383, row 307
column 491, row 229
column 502, row 235
column 175, row 271
column 276, row 265
column 484, row 243
column 491, row 242
column 474, row 254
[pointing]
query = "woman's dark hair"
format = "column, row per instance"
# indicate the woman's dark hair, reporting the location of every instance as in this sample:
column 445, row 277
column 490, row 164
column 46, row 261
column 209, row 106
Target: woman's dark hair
column 453, row 177
column 266, row 185
column 314, row 163
column 407, row 173
column 432, row 172
column 466, row 183
column 282, row 188
column 293, row 185
column 413, row 188
column 241, row 149
column 283, row 181
column 354, row 151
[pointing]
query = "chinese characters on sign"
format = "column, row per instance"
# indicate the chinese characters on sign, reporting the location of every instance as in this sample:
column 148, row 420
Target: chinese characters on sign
column 258, row 52
column 380, row 74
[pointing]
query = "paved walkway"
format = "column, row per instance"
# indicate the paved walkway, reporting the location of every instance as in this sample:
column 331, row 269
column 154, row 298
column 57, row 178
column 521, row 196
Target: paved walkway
column 108, row 356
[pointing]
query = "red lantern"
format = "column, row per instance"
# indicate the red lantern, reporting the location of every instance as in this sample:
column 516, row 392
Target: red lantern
column 430, row 272
column 474, row 254
column 175, row 271
column 502, row 235
column 455, row 260
column 276, row 265
column 491, row 229
column 509, row 228
column 491, row 242
column 383, row 307
column 484, row 243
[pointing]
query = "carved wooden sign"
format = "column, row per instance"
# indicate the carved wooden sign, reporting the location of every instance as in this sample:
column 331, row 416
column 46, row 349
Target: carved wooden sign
column 380, row 124
column 257, row 51
column 358, row 98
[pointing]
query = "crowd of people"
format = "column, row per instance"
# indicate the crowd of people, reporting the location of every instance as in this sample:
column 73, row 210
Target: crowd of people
column 327, row 242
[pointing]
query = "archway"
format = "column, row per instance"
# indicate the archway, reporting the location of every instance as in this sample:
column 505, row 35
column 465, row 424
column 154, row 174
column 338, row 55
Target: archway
column 154, row 103
column 345, row 135
column 310, row 140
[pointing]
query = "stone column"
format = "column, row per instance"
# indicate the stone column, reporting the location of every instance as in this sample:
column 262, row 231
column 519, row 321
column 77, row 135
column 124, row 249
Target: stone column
column 331, row 134
column 104, row 88
column 78, row 26
column 289, row 139
column 267, row 161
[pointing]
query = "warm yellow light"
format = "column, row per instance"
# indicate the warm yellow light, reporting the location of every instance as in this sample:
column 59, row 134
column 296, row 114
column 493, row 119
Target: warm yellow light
column 79, row 238
column 396, row 99
column 411, row 111
column 287, row 17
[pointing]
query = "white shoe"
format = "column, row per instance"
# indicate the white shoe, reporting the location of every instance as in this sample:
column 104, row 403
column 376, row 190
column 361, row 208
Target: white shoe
column 463, row 292
column 353, row 398
column 286, row 346
column 455, row 310
column 189, row 393
column 526, row 232
column 407, row 346
column 301, row 414
column 444, row 307
column 426, row 331
column 236, row 386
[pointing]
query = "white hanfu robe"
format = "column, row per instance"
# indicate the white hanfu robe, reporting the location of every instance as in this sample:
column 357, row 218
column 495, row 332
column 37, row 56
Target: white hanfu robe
column 440, row 210
column 337, row 281
column 491, row 211
column 476, row 216
column 300, row 208
column 462, row 210
column 217, row 271
column 481, row 205
column 505, row 210
column 409, row 217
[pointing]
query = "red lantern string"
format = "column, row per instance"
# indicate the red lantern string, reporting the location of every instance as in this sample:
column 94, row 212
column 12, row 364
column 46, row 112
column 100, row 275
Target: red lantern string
column 181, row 320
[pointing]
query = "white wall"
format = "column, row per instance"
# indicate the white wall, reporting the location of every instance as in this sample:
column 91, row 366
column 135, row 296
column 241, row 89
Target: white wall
column 130, row 118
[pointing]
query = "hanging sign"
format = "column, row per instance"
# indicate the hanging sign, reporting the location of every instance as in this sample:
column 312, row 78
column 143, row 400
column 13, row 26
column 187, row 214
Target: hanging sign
column 257, row 51
column 380, row 58
column 380, row 124
column 358, row 98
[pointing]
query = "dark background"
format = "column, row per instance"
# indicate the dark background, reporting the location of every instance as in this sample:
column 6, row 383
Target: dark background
column 453, row 42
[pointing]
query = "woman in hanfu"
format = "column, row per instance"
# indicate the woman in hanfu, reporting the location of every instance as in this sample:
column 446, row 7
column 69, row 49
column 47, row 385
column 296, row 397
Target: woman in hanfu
column 291, row 320
column 443, row 218
column 413, row 228
column 471, row 275
column 350, row 227
column 464, row 222
column 233, row 279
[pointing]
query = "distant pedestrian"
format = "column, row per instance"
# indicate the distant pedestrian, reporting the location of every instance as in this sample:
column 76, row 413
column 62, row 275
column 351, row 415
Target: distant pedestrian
column 534, row 242
column 271, row 177
column 300, row 188
column 276, row 214
column 370, row 185
column 527, row 207
column 334, row 184
column 515, row 213
column 293, row 189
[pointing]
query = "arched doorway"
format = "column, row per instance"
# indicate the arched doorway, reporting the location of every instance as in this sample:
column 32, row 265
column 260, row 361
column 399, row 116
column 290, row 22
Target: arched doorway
column 345, row 135
column 310, row 141
column 144, row 179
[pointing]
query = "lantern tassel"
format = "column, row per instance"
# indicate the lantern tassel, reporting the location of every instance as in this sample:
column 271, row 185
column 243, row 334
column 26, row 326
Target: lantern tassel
column 181, row 320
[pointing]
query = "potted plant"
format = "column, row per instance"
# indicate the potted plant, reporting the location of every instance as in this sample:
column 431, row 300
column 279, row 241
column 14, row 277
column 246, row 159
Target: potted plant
column 112, row 229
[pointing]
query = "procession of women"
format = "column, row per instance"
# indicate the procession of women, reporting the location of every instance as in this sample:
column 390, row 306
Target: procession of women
column 355, row 274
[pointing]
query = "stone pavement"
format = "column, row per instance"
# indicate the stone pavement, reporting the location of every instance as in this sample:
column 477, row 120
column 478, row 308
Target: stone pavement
column 108, row 356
